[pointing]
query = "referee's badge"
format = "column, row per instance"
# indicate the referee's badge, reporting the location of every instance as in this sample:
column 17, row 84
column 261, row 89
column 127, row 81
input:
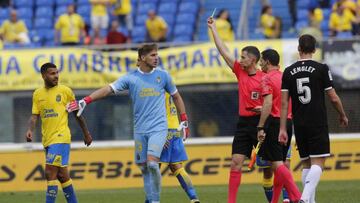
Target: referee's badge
column 158, row 79
column 255, row 95
column 58, row 98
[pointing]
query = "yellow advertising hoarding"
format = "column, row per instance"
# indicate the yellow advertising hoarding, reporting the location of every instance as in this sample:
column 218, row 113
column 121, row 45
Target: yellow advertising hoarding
column 82, row 68
column 114, row 167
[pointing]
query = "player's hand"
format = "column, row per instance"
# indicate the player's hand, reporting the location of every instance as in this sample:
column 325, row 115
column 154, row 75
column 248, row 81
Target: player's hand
column 87, row 139
column 344, row 121
column 261, row 135
column 283, row 137
column 78, row 105
column 211, row 23
column 256, row 109
column 184, row 126
column 29, row 136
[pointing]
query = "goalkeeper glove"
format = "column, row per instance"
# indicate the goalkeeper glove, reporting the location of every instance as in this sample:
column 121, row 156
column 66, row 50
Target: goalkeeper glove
column 78, row 105
column 184, row 126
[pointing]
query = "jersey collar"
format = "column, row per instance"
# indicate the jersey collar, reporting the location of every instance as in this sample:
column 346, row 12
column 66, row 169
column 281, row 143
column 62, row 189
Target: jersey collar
column 142, row 72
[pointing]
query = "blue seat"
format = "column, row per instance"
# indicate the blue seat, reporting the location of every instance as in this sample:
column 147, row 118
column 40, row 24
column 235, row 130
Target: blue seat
column 24, row 13
column 326, row 13
column 83, row 2
column 302, row 14
column 45, row 3
column 186, row 18
column 169, row 1
column 43, row 23
column 324, row 26
column 138, row 31
column 189, row 7
column 84, row 10
column 303, row 4
column 167, row 8
column 147, row 1
column 86, row 20
column 23, row 3
column 183, row 29
column 145, row 8
column 301, row 24
column 4, row 13
column 44, row 12
column 46, row 34
column 28, row 22
column 168, row 17
column 64, row 2
column 344, row 35
column 60, row 10
column 141, row 19
column 183, row 38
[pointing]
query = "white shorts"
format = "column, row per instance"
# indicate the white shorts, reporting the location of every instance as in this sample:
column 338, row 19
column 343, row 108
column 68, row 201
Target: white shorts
column 100, row 21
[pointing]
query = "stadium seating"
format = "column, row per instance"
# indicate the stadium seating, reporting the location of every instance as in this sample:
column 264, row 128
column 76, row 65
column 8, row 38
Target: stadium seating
column 60, row 10
column 167, row 8
column 43, row 23
column 49, row 3
column 23, row 3
column 4, row 13
column 44, row 11
column 24, row 13
column 64, row 2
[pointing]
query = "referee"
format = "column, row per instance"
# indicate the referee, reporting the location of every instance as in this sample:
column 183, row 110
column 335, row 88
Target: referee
column 269, row 124
column 250, row 101
column 306, row 82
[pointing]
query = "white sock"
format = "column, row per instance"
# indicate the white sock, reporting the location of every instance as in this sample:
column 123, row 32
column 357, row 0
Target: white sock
column 311, row 181
column 304, row 173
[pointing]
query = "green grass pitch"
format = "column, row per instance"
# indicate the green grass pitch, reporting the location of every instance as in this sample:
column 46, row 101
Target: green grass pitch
column 328, row 191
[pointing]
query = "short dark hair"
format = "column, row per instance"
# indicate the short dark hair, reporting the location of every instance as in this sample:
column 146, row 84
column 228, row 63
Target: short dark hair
column 272, row 56
column 307, row 43
column 252, row 50
column 146, row 48
column 46, row 66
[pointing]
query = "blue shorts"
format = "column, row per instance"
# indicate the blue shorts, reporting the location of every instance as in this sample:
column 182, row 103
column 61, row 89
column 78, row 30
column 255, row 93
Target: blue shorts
column 265, row 164
column 175, row 153
column 57, row 154
column 149, row 144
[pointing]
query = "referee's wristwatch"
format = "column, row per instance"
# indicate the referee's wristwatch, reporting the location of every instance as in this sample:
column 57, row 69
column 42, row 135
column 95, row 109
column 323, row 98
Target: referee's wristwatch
column 260, row 128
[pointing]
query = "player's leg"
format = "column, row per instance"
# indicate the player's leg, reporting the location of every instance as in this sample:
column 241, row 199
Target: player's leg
column 63, row 174
column 267, row 176
column 155, row 146
column 140, row 159
column 51, row 171
column 319, row 149
column 177, row 155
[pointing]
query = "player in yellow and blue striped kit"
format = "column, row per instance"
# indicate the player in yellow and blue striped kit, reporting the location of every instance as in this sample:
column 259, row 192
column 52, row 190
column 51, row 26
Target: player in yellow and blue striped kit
column 174, row 152
column 49, row 102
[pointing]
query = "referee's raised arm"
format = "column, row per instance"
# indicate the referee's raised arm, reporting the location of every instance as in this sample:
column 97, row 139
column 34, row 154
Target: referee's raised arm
column 220, row 45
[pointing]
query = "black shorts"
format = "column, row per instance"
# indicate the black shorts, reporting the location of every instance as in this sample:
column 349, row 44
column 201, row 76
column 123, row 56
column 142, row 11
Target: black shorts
column 312, row 141
column 271, row 149
column 246, row 135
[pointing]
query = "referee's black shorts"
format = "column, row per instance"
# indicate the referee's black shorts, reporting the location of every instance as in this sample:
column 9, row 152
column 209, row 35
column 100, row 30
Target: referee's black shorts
column 246, row 135
column 312, row 141
column 271, row 149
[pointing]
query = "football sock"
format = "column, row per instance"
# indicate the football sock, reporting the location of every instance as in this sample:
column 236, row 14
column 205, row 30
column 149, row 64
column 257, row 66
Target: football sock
column 155, row 180
column 185, row 182
column 311, row 181
column 147, row 187
column 234, row 183
column 69, row 192
column 284, row 178
column 51, row 192
column 285, row 194
column 268, row 188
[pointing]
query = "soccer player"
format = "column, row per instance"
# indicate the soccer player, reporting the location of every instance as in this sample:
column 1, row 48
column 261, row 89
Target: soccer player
column 306, row 82
column 174, row 152
column 268, row 128
column 268, row 179
column 147, row 86
column 250, row 101
column 49, row 102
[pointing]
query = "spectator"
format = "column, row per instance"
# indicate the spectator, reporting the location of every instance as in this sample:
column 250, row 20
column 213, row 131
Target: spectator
column 315, row 17
column 224, row 26
column 271, row 25
column 96, row 38
column 122, row 9
column 341, row 20
column 114, row 36
column 156, row 28
column 71, row 26
column 347, row 4
column 14, row 30
column 293, row 14
column 99, row 15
